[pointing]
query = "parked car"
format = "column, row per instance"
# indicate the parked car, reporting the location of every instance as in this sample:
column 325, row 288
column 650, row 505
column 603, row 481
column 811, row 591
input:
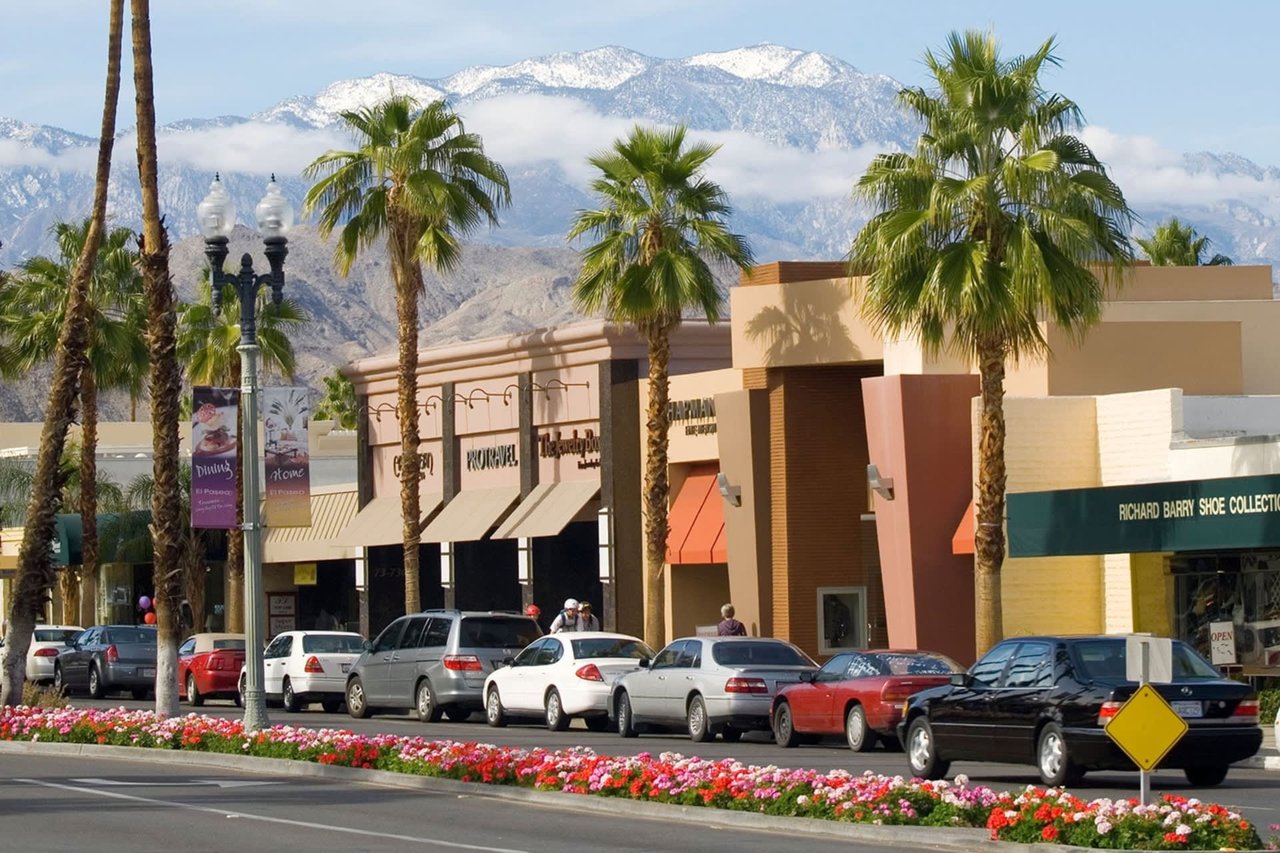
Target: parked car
column 302, row 667
column 708, row 686
column 857, row 694
column 209, row 667
column 46, row 642
column 563, row 676
column 105, row 658
column 436, row 662
column 1044, row 701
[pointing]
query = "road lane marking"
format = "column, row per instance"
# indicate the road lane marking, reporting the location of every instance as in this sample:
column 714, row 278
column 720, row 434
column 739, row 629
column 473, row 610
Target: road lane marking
column 221, row 783
column 325, row 827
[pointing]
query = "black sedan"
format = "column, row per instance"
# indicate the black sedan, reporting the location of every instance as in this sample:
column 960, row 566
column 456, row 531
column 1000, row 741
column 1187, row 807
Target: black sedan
column 106, row 658
column 1045, row 701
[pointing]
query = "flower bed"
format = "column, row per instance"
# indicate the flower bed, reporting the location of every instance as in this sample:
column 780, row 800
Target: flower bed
column 1033, row 815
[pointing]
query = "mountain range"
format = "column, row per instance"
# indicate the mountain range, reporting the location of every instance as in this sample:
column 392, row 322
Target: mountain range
column 796, row 128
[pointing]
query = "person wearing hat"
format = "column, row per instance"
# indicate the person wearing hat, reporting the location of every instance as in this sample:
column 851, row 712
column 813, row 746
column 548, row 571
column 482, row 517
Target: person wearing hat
column 566, row 619
column 587, row 621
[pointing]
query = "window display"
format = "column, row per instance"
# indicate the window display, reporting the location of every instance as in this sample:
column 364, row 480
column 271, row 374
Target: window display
column 1242, row 589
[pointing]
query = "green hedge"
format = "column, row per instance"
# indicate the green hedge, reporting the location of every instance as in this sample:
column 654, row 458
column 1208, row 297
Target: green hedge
column 1268, row 703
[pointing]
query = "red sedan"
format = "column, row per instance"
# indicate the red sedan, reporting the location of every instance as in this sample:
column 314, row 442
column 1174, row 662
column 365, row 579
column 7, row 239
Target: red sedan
column 209, row 667
column 857, row 694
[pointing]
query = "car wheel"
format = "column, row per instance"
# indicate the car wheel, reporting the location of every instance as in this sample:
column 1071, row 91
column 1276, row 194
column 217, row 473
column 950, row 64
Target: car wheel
column 59, row 684
column 193, row 692
column 289, row 699
column 699, row 728
column 96, row 689
column 140, row 693
column 356, row 706
column 457, row 715
column 424, row 703
column 596, row 724
column 860, row 738
column 1053, row 760
column 494, row 715
column 331, row 706
column 922, row 751
column 730, row 735
column 240, row 691
column 626, row 721
column 1206, row 776
column 784, row 731
column 557, row 719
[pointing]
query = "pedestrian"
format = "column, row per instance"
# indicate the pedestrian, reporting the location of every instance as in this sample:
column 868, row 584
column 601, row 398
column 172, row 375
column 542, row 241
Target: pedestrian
column 566, row 619
column 534, row 612
column 730, row 627
column 587, row 620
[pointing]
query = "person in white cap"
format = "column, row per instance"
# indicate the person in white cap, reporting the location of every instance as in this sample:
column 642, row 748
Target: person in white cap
column 567, row 619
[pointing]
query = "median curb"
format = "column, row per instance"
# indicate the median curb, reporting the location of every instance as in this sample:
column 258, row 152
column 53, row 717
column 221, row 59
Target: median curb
column 1260, row 762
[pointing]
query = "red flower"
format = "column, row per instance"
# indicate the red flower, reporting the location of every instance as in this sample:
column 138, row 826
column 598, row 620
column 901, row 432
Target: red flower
column 1049, row 833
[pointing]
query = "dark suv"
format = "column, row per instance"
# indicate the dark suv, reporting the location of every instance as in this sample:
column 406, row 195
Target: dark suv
column 435, row 662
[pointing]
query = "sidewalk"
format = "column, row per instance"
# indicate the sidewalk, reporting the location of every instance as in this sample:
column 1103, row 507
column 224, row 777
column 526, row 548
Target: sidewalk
column 1268, row 757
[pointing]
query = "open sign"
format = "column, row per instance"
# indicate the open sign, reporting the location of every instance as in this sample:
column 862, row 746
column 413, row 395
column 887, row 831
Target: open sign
column 1222, row 643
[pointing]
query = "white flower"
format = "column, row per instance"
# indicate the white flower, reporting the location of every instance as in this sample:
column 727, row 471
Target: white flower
column 1183, row 830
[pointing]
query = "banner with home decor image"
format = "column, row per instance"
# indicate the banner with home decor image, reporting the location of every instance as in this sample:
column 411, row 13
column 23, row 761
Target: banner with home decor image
column 214, row 457
column 286, row 415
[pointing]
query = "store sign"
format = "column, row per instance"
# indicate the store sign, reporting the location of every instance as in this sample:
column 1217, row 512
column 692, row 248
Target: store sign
column 557, row 445
column 426, row 465
column 700, row 409
column 1189, row 515
column 1222, row 643
column 486, row 458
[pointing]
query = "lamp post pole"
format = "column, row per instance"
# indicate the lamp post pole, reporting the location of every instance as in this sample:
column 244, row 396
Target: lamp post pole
column 217, row 218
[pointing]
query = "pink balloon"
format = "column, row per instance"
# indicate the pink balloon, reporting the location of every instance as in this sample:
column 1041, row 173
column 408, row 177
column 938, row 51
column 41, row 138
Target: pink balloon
column 150, row 618
column 144, row 603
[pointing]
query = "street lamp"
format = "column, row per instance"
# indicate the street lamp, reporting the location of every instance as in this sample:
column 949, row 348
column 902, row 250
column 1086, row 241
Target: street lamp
column 217, row 217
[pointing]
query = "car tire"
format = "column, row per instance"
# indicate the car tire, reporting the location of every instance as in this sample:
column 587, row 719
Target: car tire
column 331, row 706
column 856, row 732
column 1053, row 760
column 626, row 720
column 140, row 693
column 494, row 714
column 455, row 714
column 193, row 692
column 596, row 724
column 922, row 751
column 424, row 702
column 357, row 702
column 59, row 684
column 784, row 730
column 96, row 689
column 699, row 726
column 288, row 699
column 557, row 719
column 240, row 688
column 730, row 735
column 1206, row 777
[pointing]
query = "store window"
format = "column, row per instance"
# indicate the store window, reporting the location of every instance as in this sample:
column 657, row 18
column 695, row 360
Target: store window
column 842, row 618
column 1243, row 589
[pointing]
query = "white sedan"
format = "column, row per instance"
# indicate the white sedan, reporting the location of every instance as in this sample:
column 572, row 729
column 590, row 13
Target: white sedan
column 562, row 676
column 46, row 642
column 301, row 667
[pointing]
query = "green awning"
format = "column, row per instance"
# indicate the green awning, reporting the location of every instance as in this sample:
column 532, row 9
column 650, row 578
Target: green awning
column 123, row 537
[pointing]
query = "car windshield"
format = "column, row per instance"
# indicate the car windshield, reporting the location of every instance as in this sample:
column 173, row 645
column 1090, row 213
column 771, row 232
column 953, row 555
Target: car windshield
column 54, row 635
column 228, row 644
column 131, row 635
column 332, row 644
column 1103, row 659
column 900, row 663
column 482, row 632
column 758, row 653
column 611, row 647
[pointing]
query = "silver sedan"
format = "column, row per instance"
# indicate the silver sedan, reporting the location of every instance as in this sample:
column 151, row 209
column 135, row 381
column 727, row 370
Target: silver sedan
column 707, row 685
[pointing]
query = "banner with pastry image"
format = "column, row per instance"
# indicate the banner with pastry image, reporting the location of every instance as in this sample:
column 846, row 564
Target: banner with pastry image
column 286, row 414
column 214, row 457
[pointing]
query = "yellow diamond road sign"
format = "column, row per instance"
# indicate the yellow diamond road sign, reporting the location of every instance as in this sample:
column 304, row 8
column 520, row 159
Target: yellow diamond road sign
column 1146, row 727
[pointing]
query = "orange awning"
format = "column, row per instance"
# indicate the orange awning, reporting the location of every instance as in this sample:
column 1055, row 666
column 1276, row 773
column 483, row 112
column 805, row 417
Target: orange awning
column 696, row 520
column 962, row 539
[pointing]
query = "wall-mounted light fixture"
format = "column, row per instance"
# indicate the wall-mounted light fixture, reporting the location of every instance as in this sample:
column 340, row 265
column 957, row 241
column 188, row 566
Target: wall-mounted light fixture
column 733, row 494
column 882, row 486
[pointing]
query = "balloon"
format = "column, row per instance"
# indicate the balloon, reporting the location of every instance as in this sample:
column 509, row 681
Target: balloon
column 150, row 618
column 144, row 603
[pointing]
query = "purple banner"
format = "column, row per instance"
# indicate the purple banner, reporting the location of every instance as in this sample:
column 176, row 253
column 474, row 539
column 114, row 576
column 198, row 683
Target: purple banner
column 286, row 416
column 214, row 457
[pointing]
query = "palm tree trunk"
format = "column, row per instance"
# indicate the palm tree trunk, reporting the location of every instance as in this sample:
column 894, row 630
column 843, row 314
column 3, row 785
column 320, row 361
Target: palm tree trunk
column 35, row 566
column 194, row 577
column 235, row 546
column 657, row 486
column 166, row 500
column 88, row 497
column 408, row 275
column 988, row 539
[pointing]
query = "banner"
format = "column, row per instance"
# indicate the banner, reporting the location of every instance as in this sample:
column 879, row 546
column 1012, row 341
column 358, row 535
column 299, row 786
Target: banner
column 286, row 415
column 214, row 457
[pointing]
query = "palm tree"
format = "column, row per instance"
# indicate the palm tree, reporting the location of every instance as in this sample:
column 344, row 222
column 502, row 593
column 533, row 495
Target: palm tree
column 32, row 310
column 999, row 219
column 338, row 403
column 206, row 344
column 419, row 179
column 1177, row 245
column 660, row 224
column 35, row 569
column 194, row 540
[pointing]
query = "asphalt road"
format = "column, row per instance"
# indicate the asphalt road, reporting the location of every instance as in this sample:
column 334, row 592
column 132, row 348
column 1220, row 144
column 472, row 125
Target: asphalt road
column 1255, row 793
column 53, row 803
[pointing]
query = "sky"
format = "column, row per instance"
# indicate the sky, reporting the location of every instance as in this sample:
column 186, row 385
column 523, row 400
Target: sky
column 1154, row 79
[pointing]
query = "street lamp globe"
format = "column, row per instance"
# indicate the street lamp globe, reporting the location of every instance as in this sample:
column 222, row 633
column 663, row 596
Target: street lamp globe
column 216, row 214
column 274, row 212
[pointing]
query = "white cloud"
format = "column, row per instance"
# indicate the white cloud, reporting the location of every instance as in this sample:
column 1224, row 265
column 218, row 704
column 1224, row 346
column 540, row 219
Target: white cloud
column 16, row 155
column 250, row 148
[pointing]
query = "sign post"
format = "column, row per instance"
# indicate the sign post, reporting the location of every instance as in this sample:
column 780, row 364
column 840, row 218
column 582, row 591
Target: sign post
column 1146, row 727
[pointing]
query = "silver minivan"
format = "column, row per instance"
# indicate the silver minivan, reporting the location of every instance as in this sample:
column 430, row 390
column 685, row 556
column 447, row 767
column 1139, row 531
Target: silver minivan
column 435, row 662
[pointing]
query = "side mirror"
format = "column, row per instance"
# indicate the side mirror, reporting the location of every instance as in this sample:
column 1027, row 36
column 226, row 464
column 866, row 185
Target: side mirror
column 508, row 661
column 70, row 643
column 807, row 677
column 959, row 679
column 367, row 645
column 644, row 663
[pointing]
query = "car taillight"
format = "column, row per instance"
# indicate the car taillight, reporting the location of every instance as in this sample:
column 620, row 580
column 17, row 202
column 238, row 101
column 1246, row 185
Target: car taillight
column 1246, row 710
column 896, row 691
column 113, row 654
column 215, row 662
column 1107, row 711
column 53, row 653
column 590, row 672
column 463, row 663
column 746, row 685
column 313, row 665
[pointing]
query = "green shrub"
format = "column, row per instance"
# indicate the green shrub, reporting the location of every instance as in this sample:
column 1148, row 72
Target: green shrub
column 1268, row 703
column 42, row 696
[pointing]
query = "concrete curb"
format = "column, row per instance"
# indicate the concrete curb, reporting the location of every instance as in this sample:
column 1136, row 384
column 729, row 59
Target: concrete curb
column 1260, row 762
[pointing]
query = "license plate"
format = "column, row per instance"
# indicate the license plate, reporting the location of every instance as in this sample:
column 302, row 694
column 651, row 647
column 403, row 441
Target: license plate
column 147, row 672
column 1188, row 709
column 346, row 667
